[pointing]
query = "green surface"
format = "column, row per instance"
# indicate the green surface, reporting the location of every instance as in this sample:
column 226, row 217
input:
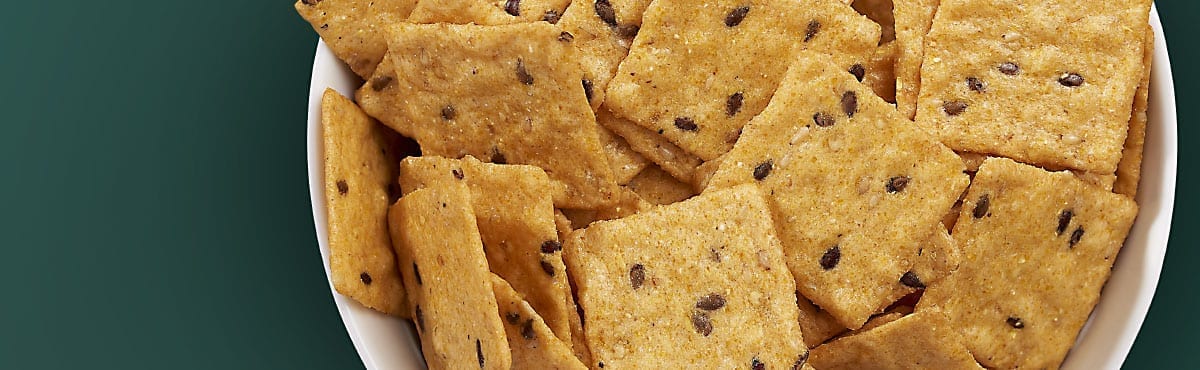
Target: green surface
column 156, row 209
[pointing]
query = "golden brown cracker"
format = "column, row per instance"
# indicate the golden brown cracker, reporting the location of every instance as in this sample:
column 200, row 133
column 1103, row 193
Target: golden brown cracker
column 533, row 344
column 703, row 277
column 1037, row 248
column 818, row 326
column 1047, row 82
column 918, row 341
column 1129, row 171
column 697, row 74
column 446, row 276
column 354, row 29
column 603, row 31
column 515, row 218
column 651, row 145
column 628, row 203
column 913, row 20
column 487, row 12
column 705, row 171
column 358, row 169
column 505, row 94
column 624, row 161
column 850, row 227
column 658, row 187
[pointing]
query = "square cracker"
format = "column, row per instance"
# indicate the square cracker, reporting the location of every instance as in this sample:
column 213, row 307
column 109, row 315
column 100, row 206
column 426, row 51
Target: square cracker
column 695, row 284
column 1129, row 171
column 1043, row 82
column 1034, row 261
column 658, row 187
column 913, row 20
column 699, row 73
column 850, row 228
column 506, row 94
column 651, row 145
column 515, row 218
column 354, row 29
column 358, row 168
column 603, row 31
column 487, row 12
column 924, row 340
column 533, row 345
column 446, row 275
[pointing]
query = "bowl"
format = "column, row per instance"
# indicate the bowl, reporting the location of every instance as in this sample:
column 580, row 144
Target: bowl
column 385, row 342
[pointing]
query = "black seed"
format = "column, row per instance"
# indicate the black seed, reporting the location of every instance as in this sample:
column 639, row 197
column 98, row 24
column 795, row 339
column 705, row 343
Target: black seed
column 365, row 277
column 600, row 364
column 702, row 323
column 734, row 103
column 897, row 184
column 823, row 120
column 755, row 364
column 498, row 157
column 479, row 352
column 637, row 275
column 604, row 10
column 1071, row 80
column 417, row 274
column 813, row 28
column 1009, row 68
column 850, row 103
column 381, row 82
column 522, row 74
column 736, row 16
column 976, row 84
column 311, row 2
column 711, row 302
column 954, row 108
column 512, row 7
column 762, row 170
column 911, row 280
column 1014, row 322
column 448, row 112
column 458, row 174
column 799, row 364
column 587, row 89
column 858, row 71
column 513, row 318
column 685, row 123
column 527, row 330
column 551, row 246
column 548, row 268
column 627, row 31
column 343, row 187
column 831, row 258
column 981, row 207
column 566, row 37
column 1075, row 236
column 551, row 16
column 420, row 318
column 1064, row 220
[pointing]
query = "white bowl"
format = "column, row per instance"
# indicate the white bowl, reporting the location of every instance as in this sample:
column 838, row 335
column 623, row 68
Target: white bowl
column 385, row 342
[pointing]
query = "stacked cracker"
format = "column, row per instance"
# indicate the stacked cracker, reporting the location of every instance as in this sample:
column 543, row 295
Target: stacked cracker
column 729, row 184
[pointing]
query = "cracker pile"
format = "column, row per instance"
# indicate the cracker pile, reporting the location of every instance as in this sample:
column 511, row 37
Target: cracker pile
column 795, row 184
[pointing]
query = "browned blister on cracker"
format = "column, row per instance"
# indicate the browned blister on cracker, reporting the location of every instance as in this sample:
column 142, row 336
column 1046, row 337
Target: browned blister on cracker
column 850, row 227
column 533, row 344
column 1044, row 82
column 359, row 165
column 515, row 218
column 354, row 29
column 446, row 275
column 1037, row 248
column 487, row 12
column 918, row 341
column 697, row 74
column 504, row 94
column 704, row 277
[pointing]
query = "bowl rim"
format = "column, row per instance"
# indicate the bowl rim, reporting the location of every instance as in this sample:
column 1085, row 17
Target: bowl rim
column 1103, row 344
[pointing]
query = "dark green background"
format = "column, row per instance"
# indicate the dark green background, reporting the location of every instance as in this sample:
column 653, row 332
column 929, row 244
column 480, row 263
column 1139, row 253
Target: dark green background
column 156, row 210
